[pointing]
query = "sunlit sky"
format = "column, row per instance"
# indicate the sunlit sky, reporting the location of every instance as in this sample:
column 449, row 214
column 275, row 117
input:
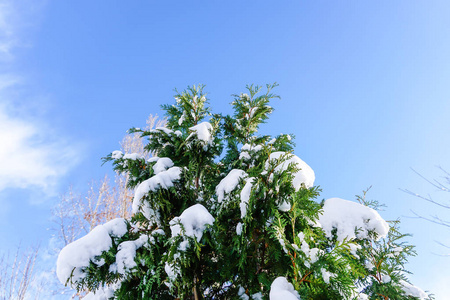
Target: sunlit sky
column 364, row 87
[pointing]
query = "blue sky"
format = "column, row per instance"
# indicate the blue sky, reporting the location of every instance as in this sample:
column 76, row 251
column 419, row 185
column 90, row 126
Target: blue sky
column 363, row 86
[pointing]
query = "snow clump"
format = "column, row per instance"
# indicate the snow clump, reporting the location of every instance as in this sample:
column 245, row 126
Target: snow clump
column 203, row 133
column 412, row 290
column 245, row 195
column 162, row 180
column 162, row 164
column 77, row 256
column 305, row 174
column 126, row 255
column 132, row 156
column 229, row 183
column 116, row 154
column 348, row 217
column 100, row 294
column 194, row 220
column 281, row 289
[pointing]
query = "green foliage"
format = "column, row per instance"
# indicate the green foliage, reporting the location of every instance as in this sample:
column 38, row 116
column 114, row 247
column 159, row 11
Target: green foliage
column 264, row 227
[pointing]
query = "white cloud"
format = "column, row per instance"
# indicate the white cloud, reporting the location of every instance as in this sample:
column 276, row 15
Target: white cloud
column 32, row 153
column 7, row 34
column 17, row 17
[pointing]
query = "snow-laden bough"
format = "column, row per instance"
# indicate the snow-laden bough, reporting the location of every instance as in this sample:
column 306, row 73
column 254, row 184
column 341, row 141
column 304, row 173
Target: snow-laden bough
column 348, row 217
column 77, row 256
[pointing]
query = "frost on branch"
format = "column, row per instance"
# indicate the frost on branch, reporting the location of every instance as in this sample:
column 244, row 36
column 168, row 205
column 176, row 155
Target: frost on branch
column 351, row 220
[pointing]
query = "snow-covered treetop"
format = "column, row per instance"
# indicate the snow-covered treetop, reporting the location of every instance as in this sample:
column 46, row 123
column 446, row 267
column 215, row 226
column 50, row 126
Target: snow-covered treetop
column 221, row 212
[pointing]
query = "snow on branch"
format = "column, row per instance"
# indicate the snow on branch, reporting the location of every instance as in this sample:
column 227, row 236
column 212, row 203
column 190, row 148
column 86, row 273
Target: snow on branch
column 348, row 217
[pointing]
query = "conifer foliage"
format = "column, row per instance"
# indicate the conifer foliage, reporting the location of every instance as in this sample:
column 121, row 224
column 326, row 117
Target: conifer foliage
column 224, row 213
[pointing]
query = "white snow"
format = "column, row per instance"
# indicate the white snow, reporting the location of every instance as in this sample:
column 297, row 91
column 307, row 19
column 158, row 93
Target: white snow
column 346, row 216
column 362, row 296
column 132, row 156
column 242, row 295
column 153, row 159
column 76, row 256
column 239, row 228
column 305, row 175
column 163, row 129
column 162, row 180
column 386, row 278
column 284, row 206
column 126, row 254
column 369, row 265
column 281, row 289
column 101, row 294
column 245, row 195
column 244, row 155
column 162, row 164
column 116, row 154
column 354, row 248
column 229, row 183
column 203, row 131
column 194, row 220
column 249, row 147
column 411, row 290
column 116, row 227
column 327, row 275
column 172, row 272
column 182, row 118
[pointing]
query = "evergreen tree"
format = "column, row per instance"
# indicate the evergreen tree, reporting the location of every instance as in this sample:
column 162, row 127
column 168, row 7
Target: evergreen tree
column 224, row 213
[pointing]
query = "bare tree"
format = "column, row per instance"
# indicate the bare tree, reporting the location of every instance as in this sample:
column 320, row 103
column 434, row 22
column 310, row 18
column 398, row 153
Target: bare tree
column 441, row 185
column 17, row 274
column 78, row 213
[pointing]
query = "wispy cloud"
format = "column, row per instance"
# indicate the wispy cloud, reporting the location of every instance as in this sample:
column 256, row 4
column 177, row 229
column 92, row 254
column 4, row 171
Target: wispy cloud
column 32, row 154
column 17, row 18
column 7, row 32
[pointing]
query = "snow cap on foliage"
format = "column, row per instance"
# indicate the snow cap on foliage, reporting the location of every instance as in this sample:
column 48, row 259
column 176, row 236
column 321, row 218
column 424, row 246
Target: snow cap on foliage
column 247, row 149
column 162, row 164
column 100, row 294
column 194, row 220
column 116, row 154
column 281, row 289
column 133, row 156
column 229, row 183
column 304, row 175
column 162, row 180
column 203, row 131
column 163, row 129
column 347, row 216
column 412, row 290
column 245, row 195
column 125, row 257
column 76, row 256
